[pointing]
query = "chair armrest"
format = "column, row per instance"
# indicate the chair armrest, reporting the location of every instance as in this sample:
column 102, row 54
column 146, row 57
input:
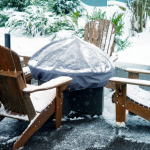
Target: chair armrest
column 25, row 56
column 25, row 60
column 137, row 71
column 49, row 85
column 130, row 81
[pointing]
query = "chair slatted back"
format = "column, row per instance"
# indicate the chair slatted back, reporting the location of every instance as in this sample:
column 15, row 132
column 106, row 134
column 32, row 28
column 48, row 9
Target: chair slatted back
column 11, row 94
column 101, row 33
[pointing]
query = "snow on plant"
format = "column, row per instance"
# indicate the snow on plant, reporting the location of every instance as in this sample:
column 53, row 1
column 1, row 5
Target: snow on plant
column 65, row 6
column 3, row 19
column 34, row 20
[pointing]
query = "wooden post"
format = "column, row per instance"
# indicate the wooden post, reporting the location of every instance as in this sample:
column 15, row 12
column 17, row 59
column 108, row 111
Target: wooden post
column 120, row 97
column 133, row 75
column 58, row 111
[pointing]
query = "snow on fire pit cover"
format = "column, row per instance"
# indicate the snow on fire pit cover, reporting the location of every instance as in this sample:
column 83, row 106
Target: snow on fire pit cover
column 89, row 66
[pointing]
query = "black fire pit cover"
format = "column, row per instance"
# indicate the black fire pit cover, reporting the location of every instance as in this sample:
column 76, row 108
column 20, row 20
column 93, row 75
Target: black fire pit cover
column 89, row 66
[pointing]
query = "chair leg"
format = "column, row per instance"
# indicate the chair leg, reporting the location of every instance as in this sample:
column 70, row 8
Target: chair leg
column 58, row 113
column 120, row 97
column 36, row 123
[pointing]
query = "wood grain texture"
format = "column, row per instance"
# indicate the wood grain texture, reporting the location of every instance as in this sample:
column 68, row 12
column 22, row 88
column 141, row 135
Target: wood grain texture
column 133, row 75
column 35, row 125
column 29, row 106
column 18, row 103
column 120, row 97
column 138, row 109
column 58, row 109
column 96, row 32
column 137, row 71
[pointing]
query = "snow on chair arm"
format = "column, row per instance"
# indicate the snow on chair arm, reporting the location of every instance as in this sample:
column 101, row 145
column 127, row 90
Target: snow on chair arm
column 133, row 70
column 49, row 85
column 130, row 81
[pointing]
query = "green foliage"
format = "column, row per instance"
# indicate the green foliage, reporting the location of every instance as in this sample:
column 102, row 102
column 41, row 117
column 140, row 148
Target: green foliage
column 122, row 44
column 117, row 20
column 74, row 17
column 65, row 6
column 21, row 4
column 31, row 22
column 97, row 14
column 3, row 19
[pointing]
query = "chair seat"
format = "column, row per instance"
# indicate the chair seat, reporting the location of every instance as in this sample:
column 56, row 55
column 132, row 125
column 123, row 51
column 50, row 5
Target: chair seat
column 26, row 70
column 138, row 95
column 42, row 99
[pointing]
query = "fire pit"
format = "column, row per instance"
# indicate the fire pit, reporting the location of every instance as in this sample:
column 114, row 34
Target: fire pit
column 89, row 67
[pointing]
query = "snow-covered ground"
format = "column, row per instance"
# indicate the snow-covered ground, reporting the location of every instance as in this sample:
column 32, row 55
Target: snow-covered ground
column 138, row 53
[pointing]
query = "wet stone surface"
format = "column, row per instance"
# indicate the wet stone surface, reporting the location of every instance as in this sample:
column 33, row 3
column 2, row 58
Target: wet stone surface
column 82, row 133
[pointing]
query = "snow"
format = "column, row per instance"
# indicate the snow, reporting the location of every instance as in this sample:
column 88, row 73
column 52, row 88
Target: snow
column 138, row 53
column 110, row 3
column 3, row 112
column 26, row 70
column 130, row 81
column 42, row 99
column 48, row 85
column 133, row 70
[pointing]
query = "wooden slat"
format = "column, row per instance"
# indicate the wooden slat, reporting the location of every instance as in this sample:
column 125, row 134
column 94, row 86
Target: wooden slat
column 19, row 95
column 35, row 125
column 96, row 30
column 29, row 106
column 14, row 115
column 120, row 97
column 133, row 75
column 105, row 33
column 100, row 34
column 86, row 32
column 2, row 60
column 114, row 29
column 91, row 30
column 8, row 58
column 8, row 95
column 138, row 109
column 2, row 97
column 25, row 61
column 137, row 71
column 13, row 74
column 16, row 61
column 130, row 81
column 59, row 102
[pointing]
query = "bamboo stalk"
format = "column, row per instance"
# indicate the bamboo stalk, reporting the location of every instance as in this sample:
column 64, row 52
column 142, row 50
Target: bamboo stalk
column 137, row 15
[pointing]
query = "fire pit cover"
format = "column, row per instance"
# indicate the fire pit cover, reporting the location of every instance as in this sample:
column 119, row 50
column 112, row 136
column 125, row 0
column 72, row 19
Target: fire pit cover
column 89, row 66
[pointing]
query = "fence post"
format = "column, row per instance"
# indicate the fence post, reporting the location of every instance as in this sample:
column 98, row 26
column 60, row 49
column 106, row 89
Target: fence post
column 7, row 41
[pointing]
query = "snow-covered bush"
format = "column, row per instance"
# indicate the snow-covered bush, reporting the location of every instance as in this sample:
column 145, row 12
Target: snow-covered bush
column 37, row 20
column 21, row 4
column 65, row 6
column 97, row 14
column 32, row 21
column 18, row 4
column 3, row 19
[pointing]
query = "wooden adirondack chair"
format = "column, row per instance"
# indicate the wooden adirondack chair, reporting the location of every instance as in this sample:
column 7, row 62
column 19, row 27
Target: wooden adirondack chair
column 101, row 33
column 26, row 70
column 21, row 101
column 124, row 101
